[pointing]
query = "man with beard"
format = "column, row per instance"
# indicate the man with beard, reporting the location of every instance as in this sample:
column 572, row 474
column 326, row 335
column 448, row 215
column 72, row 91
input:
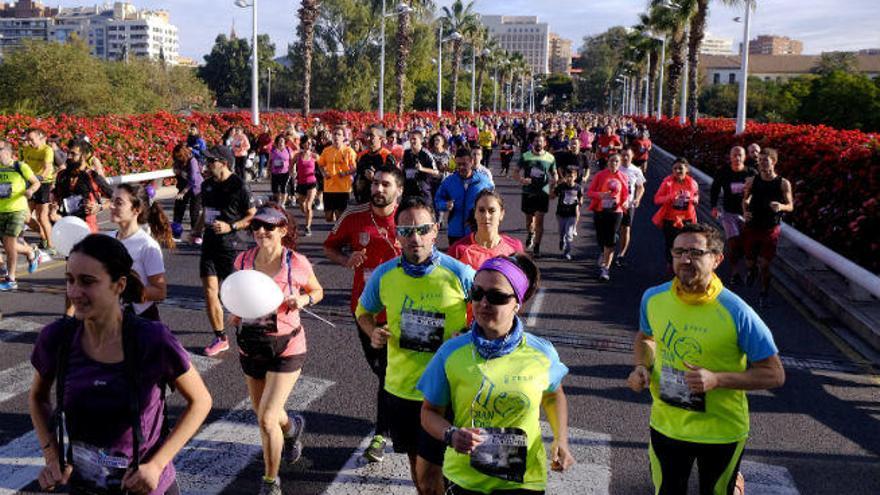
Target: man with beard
column 361, row 240
column 370, row 160
column 699, row 348
column 425, row 295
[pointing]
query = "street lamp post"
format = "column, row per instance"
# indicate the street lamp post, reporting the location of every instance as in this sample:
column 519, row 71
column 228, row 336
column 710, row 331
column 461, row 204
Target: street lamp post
column 269, row 89
column 662, row 64
column 744, row 73
column 255, row 69
column 402, row 8
column 645, row 108
column 473, row 75
column 452, row 37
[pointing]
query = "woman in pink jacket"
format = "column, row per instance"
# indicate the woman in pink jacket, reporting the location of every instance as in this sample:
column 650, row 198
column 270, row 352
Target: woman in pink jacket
column 677, row 198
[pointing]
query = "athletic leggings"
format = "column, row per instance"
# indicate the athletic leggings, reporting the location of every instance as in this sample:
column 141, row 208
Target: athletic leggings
column 672, row 460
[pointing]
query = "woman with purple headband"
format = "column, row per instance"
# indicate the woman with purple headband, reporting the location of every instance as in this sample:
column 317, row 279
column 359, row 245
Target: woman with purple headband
column 494, row 378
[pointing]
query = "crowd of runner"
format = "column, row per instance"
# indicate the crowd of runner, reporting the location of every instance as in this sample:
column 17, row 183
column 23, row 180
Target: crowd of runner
column 440, row 328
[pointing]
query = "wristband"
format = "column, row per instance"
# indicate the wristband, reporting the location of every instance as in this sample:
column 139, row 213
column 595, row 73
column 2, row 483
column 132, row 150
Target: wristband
column 448, row 434
column 232, row 227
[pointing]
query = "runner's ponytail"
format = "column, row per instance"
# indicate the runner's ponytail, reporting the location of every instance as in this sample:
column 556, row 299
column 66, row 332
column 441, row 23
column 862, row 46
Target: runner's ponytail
column 150, row 214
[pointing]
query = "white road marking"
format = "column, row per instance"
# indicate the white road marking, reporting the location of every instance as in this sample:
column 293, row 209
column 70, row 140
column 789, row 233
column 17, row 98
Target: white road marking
column 767, row 479
column 16, row 380
column 214, row 457
column 535, row 308
column 11, row 328
column 591, row 475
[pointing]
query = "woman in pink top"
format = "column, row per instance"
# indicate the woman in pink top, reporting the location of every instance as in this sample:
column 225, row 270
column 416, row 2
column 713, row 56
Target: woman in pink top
column 240, row 147
column 608, row 194
column 272, row 349
column 279, row 166
column 485, row 241
column 306, row 181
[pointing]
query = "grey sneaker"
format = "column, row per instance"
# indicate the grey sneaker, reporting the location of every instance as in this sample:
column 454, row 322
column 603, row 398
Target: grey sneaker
column 273, row 488
column 376, row 450
column 604, row 275
column 292, row 451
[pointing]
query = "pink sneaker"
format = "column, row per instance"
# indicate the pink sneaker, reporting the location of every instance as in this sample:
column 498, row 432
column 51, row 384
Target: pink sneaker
column 217, row 346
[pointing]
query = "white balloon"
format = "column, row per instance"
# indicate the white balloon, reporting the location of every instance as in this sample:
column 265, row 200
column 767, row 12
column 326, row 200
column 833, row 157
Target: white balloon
column 67, row 232
column 250, row 294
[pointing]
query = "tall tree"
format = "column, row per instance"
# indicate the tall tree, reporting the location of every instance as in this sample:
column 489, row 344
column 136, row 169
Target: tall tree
column 695, row 40
column 836, row 61
column 308, row 16
column 458, row 18
column 600, row 58
column 405, row 43
column 490, row 52
column 226, row 72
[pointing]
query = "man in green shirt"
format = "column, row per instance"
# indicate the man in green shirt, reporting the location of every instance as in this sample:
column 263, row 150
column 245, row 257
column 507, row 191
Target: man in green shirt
column 17, row 184
column 699, row 348
column 40, row 157
column 537, row 174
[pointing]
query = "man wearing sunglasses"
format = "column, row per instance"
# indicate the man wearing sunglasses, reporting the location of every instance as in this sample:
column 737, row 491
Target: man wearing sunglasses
column 228, row 206
column 424, row 294
column 699, row 348
column 362, row 239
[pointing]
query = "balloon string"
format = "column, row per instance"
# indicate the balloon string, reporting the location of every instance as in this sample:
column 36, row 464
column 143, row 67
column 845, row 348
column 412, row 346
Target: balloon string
column 316, row 316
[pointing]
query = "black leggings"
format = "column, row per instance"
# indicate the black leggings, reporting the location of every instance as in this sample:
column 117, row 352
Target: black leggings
column 194, row 202
column 672, row 460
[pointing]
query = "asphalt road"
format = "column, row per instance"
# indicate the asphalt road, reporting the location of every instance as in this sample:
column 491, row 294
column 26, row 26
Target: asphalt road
column 819, row 434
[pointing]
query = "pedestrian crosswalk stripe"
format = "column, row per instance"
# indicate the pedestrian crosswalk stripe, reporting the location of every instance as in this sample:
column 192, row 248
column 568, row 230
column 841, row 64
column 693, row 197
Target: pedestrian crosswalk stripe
column 591, row 475
column 15, row 380
column 214, row 457
column 12, row 328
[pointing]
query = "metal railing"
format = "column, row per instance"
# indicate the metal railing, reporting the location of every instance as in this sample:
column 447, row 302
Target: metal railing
column 862, row 283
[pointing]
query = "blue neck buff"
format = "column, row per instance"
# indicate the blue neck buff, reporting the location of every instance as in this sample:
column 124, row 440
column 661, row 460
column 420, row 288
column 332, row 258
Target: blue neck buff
column 423, row 269
column 490, row 349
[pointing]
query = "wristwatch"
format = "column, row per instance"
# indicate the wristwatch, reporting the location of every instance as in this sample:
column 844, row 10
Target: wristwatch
column 448, row 434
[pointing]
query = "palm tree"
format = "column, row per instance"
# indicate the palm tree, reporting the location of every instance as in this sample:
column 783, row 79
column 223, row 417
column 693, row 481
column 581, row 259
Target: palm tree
column 308, row 16
column 646, row 26
column 518, row 69
column 672, row 20
column 405, row 41
column 461, row 19
column 490, row 56
column 502, row 62
column 480, row 39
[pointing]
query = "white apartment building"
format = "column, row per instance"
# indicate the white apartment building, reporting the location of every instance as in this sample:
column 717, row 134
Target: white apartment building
column 119, row 31
column 522, row 34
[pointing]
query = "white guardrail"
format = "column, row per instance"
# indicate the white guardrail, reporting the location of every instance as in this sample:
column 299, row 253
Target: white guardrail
column 141, row 177
column 859, row 279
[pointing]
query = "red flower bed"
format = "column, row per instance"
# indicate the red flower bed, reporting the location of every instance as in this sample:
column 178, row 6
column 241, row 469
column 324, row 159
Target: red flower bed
column 835, row 175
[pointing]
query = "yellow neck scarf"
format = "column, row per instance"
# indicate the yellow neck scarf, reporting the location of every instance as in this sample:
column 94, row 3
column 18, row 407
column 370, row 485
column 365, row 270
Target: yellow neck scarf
column 712, row 291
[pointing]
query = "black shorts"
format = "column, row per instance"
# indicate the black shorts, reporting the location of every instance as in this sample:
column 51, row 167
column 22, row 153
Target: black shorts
column 628, row 216
column 607, row 224
column 43, row 195
column 279, row 183
column 216, row 260
column 535, row 203
column 303, row 189
column 407, row 433
column 257, row 368
column 335, row 201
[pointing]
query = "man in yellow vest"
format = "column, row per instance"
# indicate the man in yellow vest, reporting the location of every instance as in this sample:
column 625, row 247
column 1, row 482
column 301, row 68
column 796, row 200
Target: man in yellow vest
column 699, row 348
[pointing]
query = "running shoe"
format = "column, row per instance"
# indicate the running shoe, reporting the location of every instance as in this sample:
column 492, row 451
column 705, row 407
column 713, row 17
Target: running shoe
column 270, row 487
column 44, row 256
column 308, row 231
column 8, row 285
column 604, row 275
column 320, row 207
column 376, row 450
column 34, row 263
column 292, row 450
column 217, row 346
column 567, row 256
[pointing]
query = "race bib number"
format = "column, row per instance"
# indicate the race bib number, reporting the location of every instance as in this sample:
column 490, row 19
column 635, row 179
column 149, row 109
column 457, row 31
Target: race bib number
column 5, row 190
column 609, row 203
column 277, row 165
column 536, row 173
column 211, row 215
column 681, row 202
column 411, row 173
column 72, row 204
column 570, row 198
column 502, row 454
column 675, row 392
column 96, row 469
column 421, row 331
column 737, row 187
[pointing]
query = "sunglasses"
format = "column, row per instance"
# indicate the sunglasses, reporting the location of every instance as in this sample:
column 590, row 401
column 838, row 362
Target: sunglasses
column 407, row 231
column 495, row 297
column 268, row 227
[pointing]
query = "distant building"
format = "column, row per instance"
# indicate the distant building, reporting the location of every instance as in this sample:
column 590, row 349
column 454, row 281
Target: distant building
column 111, row 32
column 775, row 45
column 713, row 45
column 720, row 69
column 869, row 51
column 560, row 54
column 522, row 34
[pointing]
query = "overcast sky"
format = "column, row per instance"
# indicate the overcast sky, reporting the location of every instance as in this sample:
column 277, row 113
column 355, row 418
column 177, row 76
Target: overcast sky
column 822, row 25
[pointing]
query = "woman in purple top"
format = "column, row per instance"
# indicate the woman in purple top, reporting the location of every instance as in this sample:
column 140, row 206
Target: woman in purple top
column 188, row 173
column 306, row 181
column 279, row 166
column 98, row 383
